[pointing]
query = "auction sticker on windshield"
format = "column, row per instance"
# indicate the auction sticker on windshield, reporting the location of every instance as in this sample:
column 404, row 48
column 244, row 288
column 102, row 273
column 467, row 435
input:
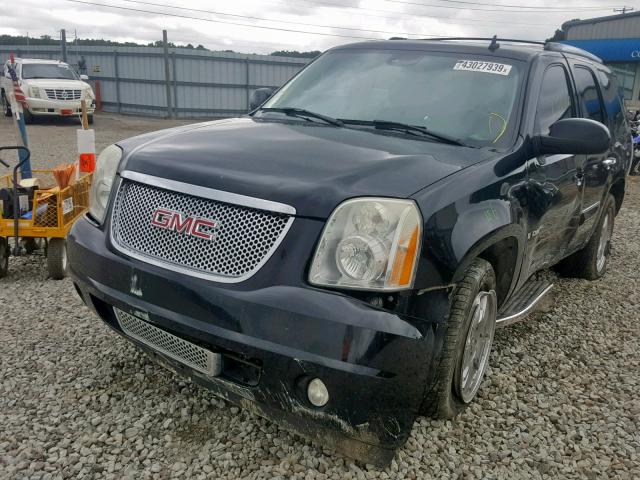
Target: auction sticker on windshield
column 485, row 67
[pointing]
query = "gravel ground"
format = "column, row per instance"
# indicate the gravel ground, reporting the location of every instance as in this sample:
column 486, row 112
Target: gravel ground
column 77, row 401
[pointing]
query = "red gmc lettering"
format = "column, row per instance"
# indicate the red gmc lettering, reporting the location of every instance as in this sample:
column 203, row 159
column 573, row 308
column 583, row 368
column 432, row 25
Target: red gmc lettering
column 175, row 221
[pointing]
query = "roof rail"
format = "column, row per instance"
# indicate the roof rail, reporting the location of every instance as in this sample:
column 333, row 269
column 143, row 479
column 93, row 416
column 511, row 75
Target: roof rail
column 549, row 46
column 489, row 39
column 564, row 48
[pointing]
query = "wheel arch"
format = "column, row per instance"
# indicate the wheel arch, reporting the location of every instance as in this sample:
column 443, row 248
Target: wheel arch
column 503, row 249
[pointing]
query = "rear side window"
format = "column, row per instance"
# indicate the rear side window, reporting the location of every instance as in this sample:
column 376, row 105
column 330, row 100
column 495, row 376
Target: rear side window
column 554, row 102
column 613, row 104
column 589, row 95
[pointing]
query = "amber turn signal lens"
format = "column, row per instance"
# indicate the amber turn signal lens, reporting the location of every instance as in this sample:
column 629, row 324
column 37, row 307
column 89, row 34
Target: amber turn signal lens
column 405, row 260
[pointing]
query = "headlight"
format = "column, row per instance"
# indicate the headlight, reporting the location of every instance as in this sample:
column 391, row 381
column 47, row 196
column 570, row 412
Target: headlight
column 369, row 244
column 103, row 176
column 34, row 92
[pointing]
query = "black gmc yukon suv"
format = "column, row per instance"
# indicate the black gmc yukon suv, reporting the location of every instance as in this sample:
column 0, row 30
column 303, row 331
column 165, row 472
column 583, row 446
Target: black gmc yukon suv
column 339, row 259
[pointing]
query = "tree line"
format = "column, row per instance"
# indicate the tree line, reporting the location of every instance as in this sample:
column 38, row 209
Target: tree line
column 101, row 42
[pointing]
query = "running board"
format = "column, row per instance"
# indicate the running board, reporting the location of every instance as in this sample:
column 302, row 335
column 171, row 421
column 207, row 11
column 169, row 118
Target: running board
column 523, row 302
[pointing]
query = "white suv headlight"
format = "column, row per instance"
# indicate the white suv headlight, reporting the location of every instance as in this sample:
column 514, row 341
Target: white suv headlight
column 34, row 92
column 369, row 244
column 103, row 176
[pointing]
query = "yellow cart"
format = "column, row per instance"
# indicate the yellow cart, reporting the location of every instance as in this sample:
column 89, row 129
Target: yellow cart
column 49, row 215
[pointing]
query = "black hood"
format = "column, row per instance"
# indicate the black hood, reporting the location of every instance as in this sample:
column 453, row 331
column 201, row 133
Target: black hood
column 309, row 166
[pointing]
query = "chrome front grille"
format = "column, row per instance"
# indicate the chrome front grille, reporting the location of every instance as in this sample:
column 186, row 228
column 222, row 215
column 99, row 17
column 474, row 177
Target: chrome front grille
column 174, row 347
column 63, row 94
column 243, row 240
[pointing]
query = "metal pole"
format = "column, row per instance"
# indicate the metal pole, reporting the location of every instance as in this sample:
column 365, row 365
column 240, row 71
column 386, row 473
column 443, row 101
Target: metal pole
column 175, row 84
column 117, row 75
column 63, row 45
column 167, row 78
column 246, row 60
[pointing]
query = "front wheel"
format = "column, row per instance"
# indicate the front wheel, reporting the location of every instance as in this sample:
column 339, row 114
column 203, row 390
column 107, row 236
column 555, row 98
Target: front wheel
column 57, row 258
column 6, row 107
column 467, row 344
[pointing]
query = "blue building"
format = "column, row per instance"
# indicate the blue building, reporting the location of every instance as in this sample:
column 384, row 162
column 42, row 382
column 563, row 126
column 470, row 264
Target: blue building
column 616, row 40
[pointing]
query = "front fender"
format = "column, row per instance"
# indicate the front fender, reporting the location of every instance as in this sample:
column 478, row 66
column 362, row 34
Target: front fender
column 470, row 212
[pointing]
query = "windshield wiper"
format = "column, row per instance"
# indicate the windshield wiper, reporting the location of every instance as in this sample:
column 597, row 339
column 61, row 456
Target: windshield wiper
column 411, row 129
column 301, row 112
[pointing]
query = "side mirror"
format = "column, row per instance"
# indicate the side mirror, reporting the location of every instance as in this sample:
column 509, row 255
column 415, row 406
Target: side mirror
column 259, row 96
column 84, row 77
column 574, row 136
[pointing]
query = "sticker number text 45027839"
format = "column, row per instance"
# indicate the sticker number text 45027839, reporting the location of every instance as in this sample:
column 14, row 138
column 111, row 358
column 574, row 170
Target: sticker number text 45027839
column 480, row 66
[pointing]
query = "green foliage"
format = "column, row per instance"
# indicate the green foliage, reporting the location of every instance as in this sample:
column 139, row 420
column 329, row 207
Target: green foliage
column 90, row 42
column 295, row 53
column 558, row 36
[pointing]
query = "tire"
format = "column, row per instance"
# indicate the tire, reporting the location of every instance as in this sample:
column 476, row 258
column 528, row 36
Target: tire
column 57, row 258
column 6, row 108
column 591, row 262
column 451, row 394
column 4, row 257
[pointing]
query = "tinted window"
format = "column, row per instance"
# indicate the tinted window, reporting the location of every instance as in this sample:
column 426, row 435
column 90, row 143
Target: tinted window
column 613, row 104
column 554, row 102
column 589, row 95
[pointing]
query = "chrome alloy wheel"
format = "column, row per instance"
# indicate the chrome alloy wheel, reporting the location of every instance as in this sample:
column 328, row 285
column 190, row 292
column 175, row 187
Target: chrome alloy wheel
column 603, row 246
column 477, row 346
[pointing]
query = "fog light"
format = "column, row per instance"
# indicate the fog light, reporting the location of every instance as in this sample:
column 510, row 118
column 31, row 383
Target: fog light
column 317, row 393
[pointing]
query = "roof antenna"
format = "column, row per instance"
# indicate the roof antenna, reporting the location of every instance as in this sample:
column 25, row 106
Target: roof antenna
column 494, row 44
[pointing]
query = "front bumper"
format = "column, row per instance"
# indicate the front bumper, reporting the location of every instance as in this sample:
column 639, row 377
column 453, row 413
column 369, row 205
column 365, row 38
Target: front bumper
column 273, row 340
column 39, row 106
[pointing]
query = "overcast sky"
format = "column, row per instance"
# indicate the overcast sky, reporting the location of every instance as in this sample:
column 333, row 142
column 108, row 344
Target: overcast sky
column 225, row 24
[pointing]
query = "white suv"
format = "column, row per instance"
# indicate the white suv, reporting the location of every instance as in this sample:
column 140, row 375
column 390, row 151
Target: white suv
column 52, row 88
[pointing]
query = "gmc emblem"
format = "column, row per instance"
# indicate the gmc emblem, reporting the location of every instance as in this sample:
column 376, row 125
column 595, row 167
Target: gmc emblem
column 176, row 222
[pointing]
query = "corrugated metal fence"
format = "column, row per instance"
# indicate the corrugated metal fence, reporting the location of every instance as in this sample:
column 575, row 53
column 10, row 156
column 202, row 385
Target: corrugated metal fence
column 202, row 83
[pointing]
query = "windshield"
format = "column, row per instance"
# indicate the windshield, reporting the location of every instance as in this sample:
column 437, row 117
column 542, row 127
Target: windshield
column 463, row 96
column 58, row 71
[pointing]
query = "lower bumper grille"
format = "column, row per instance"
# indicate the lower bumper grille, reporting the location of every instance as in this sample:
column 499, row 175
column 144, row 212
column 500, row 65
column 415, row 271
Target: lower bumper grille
column 192, row 355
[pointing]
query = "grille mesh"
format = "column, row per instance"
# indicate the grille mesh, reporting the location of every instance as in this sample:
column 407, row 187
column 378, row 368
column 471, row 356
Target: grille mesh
column 63, row 94
column 185, row 352
column 242, row 240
